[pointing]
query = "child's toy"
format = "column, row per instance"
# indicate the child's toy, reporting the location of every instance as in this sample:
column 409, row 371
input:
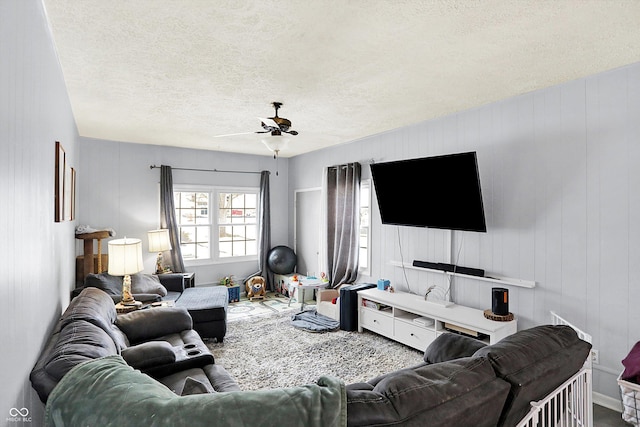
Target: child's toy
column 256, row 288
column 227, row 281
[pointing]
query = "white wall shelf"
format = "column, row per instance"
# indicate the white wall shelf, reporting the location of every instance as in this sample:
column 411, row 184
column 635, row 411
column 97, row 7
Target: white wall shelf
column 491, row 278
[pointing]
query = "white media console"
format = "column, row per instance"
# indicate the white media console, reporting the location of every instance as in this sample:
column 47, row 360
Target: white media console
column 409, row 319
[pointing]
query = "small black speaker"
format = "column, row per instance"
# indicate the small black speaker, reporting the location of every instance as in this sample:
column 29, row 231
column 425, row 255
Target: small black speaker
column 500, row 301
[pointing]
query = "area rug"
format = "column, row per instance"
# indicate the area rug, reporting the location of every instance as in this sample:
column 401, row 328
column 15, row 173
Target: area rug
column 267, row 352
column 272, row 303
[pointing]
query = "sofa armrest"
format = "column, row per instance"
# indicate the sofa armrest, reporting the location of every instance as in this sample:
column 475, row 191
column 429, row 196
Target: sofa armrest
column 174, row 282
column 151, row 323
column 149, row 354
column 328, row 294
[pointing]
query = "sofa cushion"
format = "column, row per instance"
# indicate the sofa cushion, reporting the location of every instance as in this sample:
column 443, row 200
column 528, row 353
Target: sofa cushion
column 78, row 342
column 112, row 285
column 96, row 307
column 147, row 284
column 434, row 395
column 534, row 361
column 449, row 346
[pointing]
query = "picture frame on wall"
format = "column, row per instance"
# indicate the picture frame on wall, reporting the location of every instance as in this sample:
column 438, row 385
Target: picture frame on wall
column 73, row 194
column 59, row 183
column 68, row 192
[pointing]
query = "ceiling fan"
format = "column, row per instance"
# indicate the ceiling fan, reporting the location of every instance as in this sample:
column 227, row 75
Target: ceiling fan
column 275, row 125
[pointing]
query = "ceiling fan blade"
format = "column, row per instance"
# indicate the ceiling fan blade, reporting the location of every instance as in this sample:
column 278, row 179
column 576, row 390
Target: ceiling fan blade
column 291, row 132
column 269, row 122
column 234, row 134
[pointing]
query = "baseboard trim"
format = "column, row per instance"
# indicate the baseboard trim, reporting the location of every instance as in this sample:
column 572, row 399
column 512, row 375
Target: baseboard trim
column 607, row 402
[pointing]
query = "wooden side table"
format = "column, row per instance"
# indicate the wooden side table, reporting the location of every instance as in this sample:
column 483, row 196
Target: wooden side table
column 121, row 308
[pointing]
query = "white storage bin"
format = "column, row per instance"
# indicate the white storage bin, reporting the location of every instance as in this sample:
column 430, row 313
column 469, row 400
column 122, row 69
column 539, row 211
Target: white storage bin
column 630, row 401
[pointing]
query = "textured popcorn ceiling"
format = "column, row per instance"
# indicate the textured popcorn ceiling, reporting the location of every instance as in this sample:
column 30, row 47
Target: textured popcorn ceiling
column 180, row 72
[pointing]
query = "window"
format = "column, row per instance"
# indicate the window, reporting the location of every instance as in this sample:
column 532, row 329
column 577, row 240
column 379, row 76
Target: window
column 217, row 224
column 237, row 227
column 194, row 224
column 364, row 253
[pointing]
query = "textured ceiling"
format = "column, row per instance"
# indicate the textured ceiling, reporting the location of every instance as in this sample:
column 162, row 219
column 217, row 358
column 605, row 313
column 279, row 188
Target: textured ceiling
column 181, row 72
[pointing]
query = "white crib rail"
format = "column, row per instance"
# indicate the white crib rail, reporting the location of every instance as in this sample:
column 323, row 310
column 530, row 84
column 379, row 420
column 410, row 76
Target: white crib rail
column 570, row 405
column 567, row 406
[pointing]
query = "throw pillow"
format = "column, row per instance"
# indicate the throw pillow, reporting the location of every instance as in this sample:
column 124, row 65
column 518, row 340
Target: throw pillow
column 147, row 284
column 193, row 386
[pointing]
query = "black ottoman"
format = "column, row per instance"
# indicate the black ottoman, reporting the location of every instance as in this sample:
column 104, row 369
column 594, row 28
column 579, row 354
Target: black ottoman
column 207, row 306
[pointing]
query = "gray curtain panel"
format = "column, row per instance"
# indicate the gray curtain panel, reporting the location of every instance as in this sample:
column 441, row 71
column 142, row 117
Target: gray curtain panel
column 264, row 231
column 343, row 222
column 168, row 217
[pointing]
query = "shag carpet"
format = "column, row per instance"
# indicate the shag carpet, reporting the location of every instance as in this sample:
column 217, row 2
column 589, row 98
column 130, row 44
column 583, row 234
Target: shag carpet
column 267, row 352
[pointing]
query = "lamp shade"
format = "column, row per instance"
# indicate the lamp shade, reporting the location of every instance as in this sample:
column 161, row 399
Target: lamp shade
column 125, row 257
column 159, row 240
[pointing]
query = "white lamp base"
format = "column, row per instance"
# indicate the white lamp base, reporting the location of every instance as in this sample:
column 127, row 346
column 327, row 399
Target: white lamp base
column 127, row 297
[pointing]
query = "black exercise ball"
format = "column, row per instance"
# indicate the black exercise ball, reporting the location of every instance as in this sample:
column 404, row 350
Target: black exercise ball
column 282, row 260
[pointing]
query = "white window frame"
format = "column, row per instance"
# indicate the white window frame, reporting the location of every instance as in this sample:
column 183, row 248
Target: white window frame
column 213, row 192
column 366, row 271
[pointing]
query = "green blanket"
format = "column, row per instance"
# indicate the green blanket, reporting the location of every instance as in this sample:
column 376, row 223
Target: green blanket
column 108, row 392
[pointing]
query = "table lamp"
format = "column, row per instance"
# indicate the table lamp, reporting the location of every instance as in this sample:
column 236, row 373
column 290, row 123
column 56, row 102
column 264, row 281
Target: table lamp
column 125, row 258
column 159, row 242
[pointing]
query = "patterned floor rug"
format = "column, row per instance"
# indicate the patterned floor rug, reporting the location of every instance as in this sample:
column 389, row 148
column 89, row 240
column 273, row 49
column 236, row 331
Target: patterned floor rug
column 272, row 303
column 267, row 352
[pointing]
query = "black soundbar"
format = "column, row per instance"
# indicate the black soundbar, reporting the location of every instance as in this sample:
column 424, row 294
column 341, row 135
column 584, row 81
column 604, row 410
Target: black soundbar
column 427, row 264
column 449, row 268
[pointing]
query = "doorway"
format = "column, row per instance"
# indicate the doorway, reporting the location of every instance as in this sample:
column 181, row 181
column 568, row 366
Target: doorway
column 307, row 218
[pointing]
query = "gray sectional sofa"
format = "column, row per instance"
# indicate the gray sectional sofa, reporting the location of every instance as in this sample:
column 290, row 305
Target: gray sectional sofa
column 159, row 342
column 207, row 305
column 463, row 382
column 152, row 363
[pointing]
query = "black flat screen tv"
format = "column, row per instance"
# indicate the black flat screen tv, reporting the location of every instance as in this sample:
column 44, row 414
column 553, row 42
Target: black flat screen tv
column 437, row 192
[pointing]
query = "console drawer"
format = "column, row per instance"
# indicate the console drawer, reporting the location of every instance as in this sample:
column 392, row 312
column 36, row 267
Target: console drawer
column 376, row 321
column 413, row 335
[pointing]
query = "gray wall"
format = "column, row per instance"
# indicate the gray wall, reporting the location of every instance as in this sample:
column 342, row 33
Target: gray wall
column 558, row 169
column 120, row 191
column 560, row 178
column 37, row 254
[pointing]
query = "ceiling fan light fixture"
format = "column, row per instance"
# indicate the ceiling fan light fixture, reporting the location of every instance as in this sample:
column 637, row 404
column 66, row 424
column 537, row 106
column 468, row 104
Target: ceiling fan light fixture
column 275, row 143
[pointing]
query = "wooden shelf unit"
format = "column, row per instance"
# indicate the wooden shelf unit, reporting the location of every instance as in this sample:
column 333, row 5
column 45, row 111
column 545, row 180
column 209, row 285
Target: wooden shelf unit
column 398, row 323
column 501, row 280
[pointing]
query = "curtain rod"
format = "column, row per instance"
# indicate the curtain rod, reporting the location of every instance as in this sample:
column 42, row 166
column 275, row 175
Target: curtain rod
column 205, row 170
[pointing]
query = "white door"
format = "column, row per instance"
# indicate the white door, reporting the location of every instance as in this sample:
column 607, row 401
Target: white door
column 307, row 231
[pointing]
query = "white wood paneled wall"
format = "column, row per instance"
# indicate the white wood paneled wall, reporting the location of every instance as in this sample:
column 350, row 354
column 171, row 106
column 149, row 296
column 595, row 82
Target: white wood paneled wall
column 37, row 254
column 561, row 188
